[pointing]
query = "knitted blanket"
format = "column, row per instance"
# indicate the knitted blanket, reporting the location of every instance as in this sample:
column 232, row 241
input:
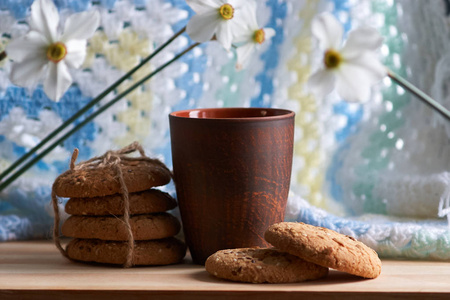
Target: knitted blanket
column 378, row 171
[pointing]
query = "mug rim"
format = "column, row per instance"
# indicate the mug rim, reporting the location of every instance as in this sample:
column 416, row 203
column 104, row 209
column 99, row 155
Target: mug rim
column 192, row 114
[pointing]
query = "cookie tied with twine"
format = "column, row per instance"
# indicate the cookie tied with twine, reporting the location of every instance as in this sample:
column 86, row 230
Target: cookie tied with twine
column 115, row 172
column 99, row 176
column 144, row 202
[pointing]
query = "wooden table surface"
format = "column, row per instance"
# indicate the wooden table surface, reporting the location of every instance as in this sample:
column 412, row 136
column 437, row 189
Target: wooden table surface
column 36, row 270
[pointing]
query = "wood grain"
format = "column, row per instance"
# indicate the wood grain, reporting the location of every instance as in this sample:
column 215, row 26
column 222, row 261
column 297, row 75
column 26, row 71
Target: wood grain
column 36, row 270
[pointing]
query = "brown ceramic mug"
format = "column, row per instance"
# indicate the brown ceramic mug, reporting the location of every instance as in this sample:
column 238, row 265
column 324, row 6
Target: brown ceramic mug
column 232, row 170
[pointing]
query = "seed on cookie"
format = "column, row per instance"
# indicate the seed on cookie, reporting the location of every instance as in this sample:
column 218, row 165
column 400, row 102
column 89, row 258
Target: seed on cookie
column 257, row 265
column 325, row 247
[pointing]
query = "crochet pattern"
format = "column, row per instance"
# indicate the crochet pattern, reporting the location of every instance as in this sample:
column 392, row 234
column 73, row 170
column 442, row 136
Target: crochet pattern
column 378, row 171
column 389, row 174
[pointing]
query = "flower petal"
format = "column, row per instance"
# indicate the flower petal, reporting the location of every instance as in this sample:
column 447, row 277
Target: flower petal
column 368, row 61
column 30, row 45
column 248, row 14
column 28, row 72
column 321, row 83
column 244, row 54
column 269, row 33
column 224, row 34
column 242, row 30
column 201, row 28
column 242, row 19
column 76, row 53
column 81, row 26
column 327, row 29
column 45, row 19
column 203, row 6
column 58, row 80
column 361, row 39
column 238, row 4
column 245, row 36
column 353, row 83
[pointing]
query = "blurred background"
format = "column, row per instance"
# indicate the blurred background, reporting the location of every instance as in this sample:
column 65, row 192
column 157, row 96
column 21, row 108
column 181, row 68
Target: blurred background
column 378, row 171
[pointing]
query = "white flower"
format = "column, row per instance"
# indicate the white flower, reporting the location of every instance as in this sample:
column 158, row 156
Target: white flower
column 221, row 18
column 45, row 51
column 251, row 38
column 353, row 68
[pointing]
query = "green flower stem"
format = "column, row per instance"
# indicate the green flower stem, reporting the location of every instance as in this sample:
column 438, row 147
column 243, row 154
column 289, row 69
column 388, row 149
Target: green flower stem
column 89, row 118
column 87, row 107
column 419, row 94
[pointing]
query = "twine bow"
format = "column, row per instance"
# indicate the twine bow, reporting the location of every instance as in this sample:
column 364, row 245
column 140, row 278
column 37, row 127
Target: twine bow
column 111, row 159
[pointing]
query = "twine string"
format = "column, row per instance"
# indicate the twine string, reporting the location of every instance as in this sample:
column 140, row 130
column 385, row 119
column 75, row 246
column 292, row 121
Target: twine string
column 126, row 216
column 56, row 235
column 111, row 159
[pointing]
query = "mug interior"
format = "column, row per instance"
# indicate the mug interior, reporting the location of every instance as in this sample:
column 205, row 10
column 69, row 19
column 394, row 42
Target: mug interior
column 231, row 113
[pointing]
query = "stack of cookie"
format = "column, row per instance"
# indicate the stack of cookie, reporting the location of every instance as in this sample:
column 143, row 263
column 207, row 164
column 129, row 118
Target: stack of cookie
column 303, row 252
column 97, row 207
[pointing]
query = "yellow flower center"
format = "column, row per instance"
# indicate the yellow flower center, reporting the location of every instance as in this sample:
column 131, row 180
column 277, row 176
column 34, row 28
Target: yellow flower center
column 259, row 36
column 226, row 11
column 332, row 59
column 56, row 52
